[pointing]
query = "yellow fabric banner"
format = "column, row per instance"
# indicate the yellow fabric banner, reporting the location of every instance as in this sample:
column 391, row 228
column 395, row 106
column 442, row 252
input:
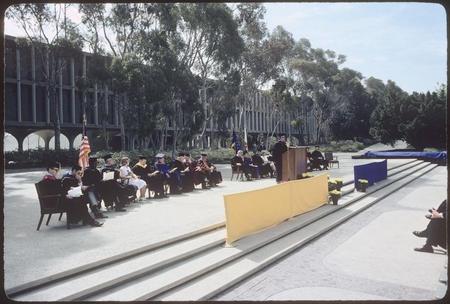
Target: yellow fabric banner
column 252, row 211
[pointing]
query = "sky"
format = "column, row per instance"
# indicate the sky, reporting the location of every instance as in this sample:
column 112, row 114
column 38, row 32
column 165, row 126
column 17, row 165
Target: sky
column 403, row 42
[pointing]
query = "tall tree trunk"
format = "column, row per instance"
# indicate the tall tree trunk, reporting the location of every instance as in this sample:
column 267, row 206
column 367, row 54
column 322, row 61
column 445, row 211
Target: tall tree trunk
column 122, row 127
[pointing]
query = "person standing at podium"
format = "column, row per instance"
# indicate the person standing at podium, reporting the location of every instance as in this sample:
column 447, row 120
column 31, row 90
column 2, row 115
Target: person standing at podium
column 277, row 151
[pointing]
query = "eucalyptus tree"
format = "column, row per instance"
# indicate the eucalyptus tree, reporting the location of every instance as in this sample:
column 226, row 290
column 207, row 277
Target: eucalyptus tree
column 386, row 117
column 351, row 113
column 211, row 45
column 315, row 71
column 424, row 119
column 55, row 40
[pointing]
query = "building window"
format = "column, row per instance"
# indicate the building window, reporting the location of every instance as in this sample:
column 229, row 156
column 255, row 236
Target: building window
column 67, row 107
column 90, row 108
column 111, row 109
column 78, row 107
column 11, row 102
column 25, row 63
column 10, row 59
column 26, row 103
column 41, row 104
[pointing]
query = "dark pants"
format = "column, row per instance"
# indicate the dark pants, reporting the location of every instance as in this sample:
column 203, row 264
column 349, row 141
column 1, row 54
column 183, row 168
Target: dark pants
column 279, row 168
column 77, row 210
column 436, row 233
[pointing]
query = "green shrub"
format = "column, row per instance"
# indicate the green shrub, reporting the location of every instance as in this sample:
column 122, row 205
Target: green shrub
column 39, row 158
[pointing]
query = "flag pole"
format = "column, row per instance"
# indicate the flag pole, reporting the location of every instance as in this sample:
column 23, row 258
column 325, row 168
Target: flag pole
column 84, row 125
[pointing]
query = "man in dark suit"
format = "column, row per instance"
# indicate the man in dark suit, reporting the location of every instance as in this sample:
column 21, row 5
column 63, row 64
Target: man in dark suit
column 76, row 205
column 436, row 229
column 92, row 178
column 277, row 151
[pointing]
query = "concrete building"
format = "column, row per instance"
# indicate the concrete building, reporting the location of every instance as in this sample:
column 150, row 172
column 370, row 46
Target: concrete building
column 28, row 110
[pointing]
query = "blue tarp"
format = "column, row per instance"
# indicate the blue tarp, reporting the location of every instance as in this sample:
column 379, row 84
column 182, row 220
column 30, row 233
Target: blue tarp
column 373, row 172
column 407, row 154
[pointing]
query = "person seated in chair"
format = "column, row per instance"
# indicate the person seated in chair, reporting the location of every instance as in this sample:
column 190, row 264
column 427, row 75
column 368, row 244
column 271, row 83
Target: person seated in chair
column 237, row 162
column 263, row 167
column 76, row 205
column 267, row 158
column 152, row 177
column 92, row 178
column 177, row 172
column 111, row 190
column 198, row 177
column 167, row 173
column 318, row 160
column 52, row 171
column 435, row 233
column 214, row 177
column 127, row 175
column 250, row 168
column 187, row 177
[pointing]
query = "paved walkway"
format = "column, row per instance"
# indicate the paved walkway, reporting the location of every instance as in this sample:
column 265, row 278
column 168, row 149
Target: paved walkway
column 370, row 257
column 31, row 254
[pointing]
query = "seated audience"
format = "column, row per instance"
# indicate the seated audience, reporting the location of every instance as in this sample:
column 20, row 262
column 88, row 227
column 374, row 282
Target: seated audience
column 214, row 177
column 435, row 233
column 127, row 175
column 92, row 178
column 76, row 206
column 153, row 178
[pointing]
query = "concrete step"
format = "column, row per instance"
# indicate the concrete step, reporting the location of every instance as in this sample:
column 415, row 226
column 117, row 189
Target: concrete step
column 221, row 279
column 121, row 270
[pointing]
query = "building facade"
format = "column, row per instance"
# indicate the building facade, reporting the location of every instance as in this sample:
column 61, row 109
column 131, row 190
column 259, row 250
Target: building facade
column 28, row 109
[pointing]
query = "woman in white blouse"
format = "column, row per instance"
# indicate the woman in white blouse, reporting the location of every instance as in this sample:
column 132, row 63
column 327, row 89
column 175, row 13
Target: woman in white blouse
column 127, row 174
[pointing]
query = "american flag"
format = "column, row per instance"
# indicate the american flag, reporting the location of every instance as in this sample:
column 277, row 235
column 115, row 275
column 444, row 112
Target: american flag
column 85, row 149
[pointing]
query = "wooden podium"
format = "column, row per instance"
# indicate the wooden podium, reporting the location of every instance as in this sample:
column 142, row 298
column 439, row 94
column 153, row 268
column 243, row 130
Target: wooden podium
column 293, row 163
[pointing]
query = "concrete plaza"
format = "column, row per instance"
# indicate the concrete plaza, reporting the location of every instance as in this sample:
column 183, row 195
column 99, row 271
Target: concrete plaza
column 54, row 249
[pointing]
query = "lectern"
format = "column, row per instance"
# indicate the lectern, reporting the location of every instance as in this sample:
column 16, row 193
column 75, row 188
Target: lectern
column 293, row 163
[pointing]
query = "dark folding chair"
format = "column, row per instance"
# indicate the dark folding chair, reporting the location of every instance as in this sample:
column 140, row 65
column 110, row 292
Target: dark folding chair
column 331, row 159
column 238, row 171
column 50, row 200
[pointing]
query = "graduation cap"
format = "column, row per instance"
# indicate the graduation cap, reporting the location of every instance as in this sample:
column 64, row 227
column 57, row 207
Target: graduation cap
column 187, row 154
column 181, row 154
column 203, row 154
column 92, row 158
column 142, row 157
column 160, row 155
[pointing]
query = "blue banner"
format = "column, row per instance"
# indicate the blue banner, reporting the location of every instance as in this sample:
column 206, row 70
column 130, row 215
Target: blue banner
column 372, row 172
column 407, row 154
